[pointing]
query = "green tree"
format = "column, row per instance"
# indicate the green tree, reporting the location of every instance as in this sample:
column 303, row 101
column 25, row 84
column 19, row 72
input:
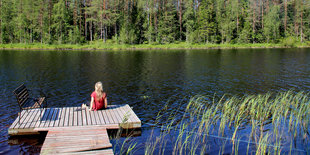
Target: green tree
column 206, row 20
column 7, row 24
column 190, row 21
column 167, row 24
column 272, row 24
column 59, row 20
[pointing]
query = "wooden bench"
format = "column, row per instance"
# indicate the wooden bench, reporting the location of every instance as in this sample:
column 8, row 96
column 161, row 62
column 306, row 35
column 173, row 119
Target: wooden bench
column 25, row 102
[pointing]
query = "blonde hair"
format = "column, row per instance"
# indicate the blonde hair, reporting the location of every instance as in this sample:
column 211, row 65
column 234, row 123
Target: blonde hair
column 98, row 90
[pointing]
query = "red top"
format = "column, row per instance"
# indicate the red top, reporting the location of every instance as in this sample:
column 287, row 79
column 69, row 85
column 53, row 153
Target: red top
column 98, row 104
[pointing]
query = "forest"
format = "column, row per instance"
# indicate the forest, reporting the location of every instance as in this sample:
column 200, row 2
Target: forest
column 154, row 21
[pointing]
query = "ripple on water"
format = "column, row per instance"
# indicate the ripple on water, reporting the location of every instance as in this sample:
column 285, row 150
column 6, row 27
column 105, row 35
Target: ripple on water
column 145, row 80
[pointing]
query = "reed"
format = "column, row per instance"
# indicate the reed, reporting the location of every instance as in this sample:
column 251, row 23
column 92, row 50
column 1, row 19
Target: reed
column 267, row 124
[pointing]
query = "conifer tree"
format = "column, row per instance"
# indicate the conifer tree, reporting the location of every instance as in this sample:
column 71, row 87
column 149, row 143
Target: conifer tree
column 206, row 20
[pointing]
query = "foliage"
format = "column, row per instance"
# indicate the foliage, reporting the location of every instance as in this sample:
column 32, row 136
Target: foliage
column 257, row 124
column 289, row 42
column 153, row 21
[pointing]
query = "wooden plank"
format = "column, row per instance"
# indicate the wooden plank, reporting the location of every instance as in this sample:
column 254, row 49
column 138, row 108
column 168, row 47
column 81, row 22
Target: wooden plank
column 106, row 117
column 71, row 116
column 132, row 113
column 53, row 118
column 107, row 126
column 110, row 116
column 93, row 152
column 89, row 120
column 75, row 120
column 79, row 148
column 28, row 131
column 70, row 128
column 75, row 139
column 128, row 121
column 31, row 119
column 101, row 118
column 122, row 115
column 66, row 122
column 62, row 117
column 79, row 116
column 115, row 115
column 95, row 114
column 127, row 113
column 58, row 117
column 24, row 119
column 84, row 117
column 41, row 118
column 37, row 119
column 49, row 117
column 93, row 118
column 44, row 117
column 16, row 123
column 27, row 118
column 74, row 132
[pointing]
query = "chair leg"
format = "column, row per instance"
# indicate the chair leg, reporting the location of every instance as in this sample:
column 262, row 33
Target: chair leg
column 19, row 117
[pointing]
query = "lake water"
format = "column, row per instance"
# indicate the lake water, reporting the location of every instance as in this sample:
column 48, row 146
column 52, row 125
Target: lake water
column 146, row 80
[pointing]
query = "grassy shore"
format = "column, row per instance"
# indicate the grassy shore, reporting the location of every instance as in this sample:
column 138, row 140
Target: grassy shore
column 256, row 124
column 110, row 45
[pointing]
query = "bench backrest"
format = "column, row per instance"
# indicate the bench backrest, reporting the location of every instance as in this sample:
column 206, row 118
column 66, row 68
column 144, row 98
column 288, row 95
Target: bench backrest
column 22, row 94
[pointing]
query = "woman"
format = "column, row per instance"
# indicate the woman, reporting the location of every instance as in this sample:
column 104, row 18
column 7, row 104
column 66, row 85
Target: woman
column 98, row 98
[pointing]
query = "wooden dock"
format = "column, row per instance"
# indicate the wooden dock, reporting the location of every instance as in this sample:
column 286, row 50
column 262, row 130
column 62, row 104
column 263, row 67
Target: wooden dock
column 75, row 130
column 77, row 140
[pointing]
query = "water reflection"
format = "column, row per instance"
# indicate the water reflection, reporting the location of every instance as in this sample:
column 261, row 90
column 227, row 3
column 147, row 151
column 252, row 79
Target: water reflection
column 148, row 80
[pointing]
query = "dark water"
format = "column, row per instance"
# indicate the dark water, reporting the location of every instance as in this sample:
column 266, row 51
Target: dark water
column 146, row 80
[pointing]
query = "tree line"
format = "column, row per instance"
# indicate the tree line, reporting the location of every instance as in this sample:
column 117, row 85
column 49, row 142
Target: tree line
column 153, row 21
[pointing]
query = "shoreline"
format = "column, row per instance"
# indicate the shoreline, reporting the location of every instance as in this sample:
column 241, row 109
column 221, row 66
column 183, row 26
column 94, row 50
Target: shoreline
column 112, row 47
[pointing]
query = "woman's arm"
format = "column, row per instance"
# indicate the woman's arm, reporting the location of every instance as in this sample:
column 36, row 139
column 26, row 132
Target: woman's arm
column 91, row 103
column 105, row 102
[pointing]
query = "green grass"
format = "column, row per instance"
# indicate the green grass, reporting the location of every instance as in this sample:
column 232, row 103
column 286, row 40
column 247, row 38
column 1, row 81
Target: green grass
column 110, row 45
column 265, row 123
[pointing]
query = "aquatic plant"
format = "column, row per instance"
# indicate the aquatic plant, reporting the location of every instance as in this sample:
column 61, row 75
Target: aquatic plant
column 264, row 123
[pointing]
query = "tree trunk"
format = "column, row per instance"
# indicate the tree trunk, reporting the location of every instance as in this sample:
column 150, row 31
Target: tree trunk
column 50, row 9
column 80, row 18
column 285, row 16
column 104, row 17
column 41, row 22
column 91, row 30
column 253, row 25
column 105, row 33
column 20, row 26
column 296, row 19
column 60, row 32
column 101, row 29
column 267, row 5
column 237, row 16
column 180, row 18
column 155, row 16
column 75, row 13
column 301, row 21
column 85, row 16
column 262, row 14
